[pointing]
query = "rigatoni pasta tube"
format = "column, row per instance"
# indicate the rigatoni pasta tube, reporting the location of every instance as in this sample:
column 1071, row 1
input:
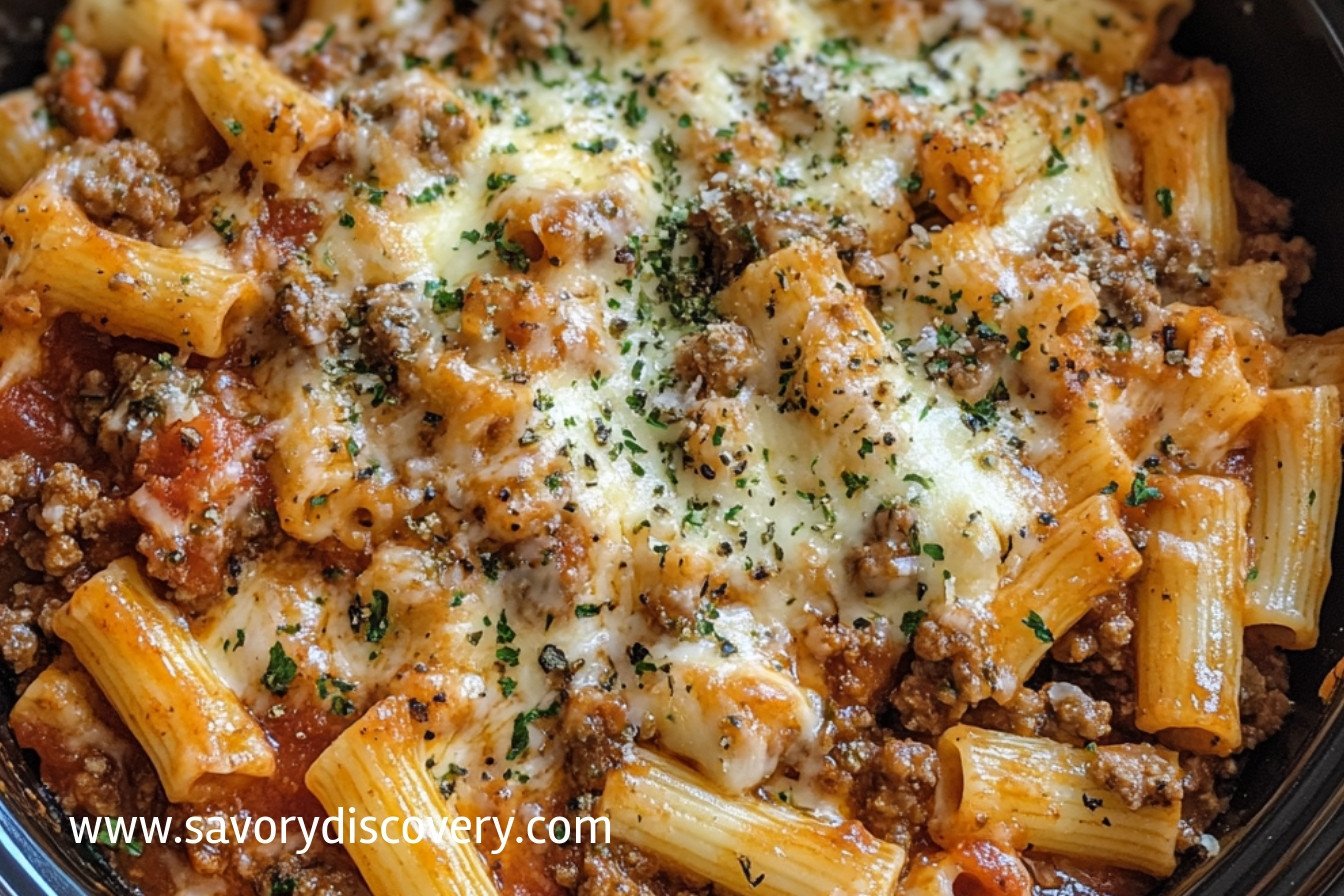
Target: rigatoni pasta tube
column 62, row 702
column 167, row 118
column 1312, row 361
column 1086, row 556
column 1206, row 405
column 732, row 721
column 1188, row 642
column 1107, row 37
column 114, row 26
column 1296, row 464
column 743, row 844
column 121, row 285
column 1253, row 290
column 1088, row 458
column 933, row 879
column 377, row 766
column 1051, row 797
column 158, row 679
column 262, row 115
column 973, row 866
column 971, row 167
column 27, row 138
column 1181, row 130
column 321, row 490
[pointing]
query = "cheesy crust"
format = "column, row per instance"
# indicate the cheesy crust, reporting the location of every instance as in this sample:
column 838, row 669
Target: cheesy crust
column 773, row 384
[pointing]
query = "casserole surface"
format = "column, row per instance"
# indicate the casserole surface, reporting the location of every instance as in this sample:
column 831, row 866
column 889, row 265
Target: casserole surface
column 705, row 332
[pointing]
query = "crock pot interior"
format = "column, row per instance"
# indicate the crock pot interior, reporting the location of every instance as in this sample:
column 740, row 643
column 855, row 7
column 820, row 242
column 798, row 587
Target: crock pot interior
column 1288, row 131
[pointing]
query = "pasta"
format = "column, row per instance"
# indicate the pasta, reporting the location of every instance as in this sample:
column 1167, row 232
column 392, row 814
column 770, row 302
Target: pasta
column 1253, row 292
column 1312, row 361
column 260, row 113
column 114, row 26
column 810, row 446
column 977, row 862
column 1185, row 170
column 1190, row 615
column 971, row 170
column 161, row 683
column 377, row 766
column 1092, row 457
column 1087, row 556
column 1055, row 797
column 26, row 139
column 1297, row 475
column 671, row 813
column 127, row 286
column 1111, row 37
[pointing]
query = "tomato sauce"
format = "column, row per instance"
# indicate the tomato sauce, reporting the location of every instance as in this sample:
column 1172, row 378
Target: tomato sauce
column 33, row 421
column 299, row 736
column 1057, row 876
column 522, row 869
column 195, row 470
column 988, row 870
column 36, row 414
column 73, row 348
column 291, row 224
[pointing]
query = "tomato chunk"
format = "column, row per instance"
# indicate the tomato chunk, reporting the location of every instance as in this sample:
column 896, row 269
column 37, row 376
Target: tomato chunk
column 204, row 494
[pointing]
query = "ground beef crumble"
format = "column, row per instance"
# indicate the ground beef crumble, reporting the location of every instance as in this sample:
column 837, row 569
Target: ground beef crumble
column 1075, row 716
column 621, row 870
column 121, row 187
column 596, row 734
column 20, row 644
column 1206, row 795
column 1264, row 218
column 718, row 360
column 1101, row 640
column 1126, row 281
column 72, row 519
column 1264, row 692
column 950, row 674
column 1059, row 711
column 74, row 509
column 888, row 778
column 737, row 222
column 1138, row 774
column 308, row 309
column 888, row 557
column 425, row 117
column 20, row 480
column 302, row 876
column 897, row 790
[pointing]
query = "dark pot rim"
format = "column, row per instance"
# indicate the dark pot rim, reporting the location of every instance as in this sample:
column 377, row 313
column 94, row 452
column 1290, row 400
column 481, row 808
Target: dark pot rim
column 1290, row 842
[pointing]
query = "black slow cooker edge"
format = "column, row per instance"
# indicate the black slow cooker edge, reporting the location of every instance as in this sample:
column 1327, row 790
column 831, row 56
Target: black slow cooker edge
column 1285, row 833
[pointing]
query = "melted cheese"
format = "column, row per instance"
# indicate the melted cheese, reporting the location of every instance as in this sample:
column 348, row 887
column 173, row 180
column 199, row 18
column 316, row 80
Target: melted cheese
column 749, row 563
column 670, row 360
